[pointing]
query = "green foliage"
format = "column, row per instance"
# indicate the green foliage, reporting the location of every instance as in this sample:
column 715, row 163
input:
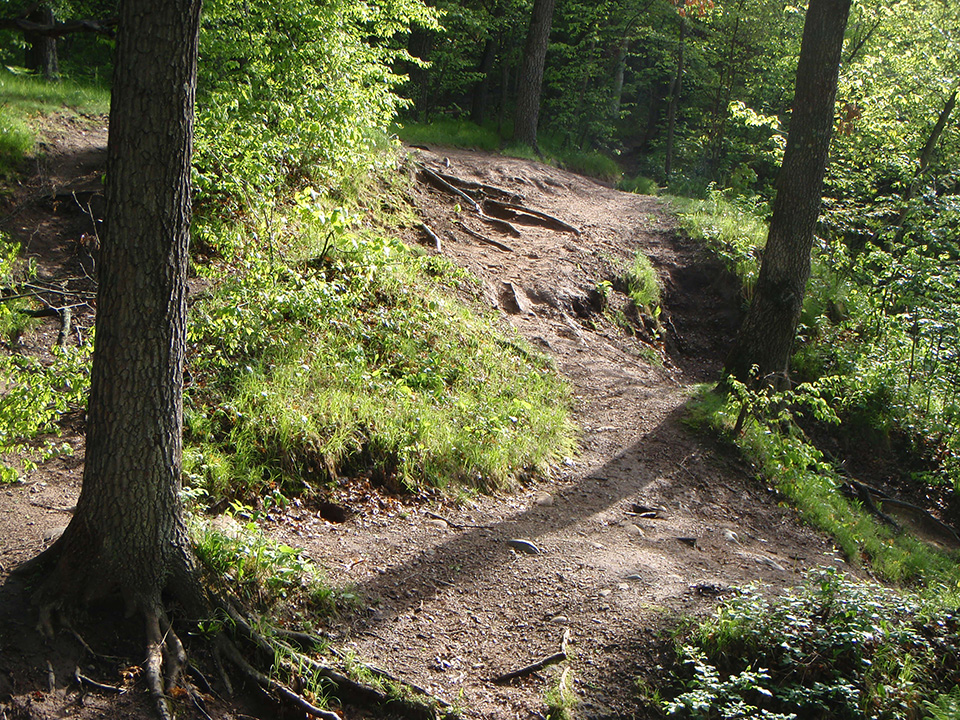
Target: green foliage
column 262, row 572
column 293, row 93
column 769, row 437
column 344, row 354
column 832, row 648
column 640, row 185
column 33, row 399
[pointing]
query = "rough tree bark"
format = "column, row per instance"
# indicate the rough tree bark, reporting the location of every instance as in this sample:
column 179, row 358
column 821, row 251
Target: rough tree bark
column 531, row 73
column 766, row 337
column 127, row 535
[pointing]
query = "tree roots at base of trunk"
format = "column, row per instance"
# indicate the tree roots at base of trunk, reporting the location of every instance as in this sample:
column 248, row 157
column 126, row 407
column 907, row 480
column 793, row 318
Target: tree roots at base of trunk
column 166, row 668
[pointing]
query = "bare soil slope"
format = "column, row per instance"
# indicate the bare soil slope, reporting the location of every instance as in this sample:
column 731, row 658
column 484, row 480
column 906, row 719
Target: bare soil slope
column 645, row 523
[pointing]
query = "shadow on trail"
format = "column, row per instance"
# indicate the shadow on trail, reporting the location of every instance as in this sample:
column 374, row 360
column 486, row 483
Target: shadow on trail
column 480, row 551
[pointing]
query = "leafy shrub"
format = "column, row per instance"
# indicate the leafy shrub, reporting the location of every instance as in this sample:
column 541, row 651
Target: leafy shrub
column 294, row 93
column 832, row 648
column 35, row 397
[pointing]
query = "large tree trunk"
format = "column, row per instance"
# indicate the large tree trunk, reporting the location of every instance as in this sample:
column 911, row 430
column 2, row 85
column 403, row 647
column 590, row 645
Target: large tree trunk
column 128, row 533
column 766, row 337
column 531, row 73
column 41, row 51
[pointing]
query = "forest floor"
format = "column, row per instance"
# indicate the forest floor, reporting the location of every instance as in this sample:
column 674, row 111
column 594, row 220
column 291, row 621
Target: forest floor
column 648, row 523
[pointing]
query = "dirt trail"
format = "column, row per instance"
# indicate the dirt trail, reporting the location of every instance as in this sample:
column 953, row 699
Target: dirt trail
column 450, row 603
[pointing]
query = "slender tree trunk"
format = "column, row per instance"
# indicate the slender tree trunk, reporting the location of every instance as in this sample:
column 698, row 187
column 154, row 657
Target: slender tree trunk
column 41, row 52
column 926, row 155
column 619, row 70
column 531, row 73
column 766, row 337
column 128, row 533
column 676, row 88
column 481, row 91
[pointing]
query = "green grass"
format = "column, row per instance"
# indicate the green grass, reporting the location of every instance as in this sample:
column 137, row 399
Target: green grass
column 29, row 95
column 643, row 285
column 16, row 140
column 24, row 97
column 736, row 232
column 785, row 458
column 458, row 133
column 265, row 574
column 347, row 354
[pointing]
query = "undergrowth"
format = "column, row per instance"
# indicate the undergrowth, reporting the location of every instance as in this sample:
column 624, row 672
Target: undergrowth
column 341, row 352
column 271, row 576
column 769, row 437
column 831, row 648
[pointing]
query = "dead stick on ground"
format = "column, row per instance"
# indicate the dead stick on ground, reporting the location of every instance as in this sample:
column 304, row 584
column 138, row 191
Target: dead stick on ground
column 457, row 526
column 539, row 664
column 84, row 680
column 484, row 238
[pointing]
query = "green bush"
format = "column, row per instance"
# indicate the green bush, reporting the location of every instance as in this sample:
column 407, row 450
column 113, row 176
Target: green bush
column 832, row 648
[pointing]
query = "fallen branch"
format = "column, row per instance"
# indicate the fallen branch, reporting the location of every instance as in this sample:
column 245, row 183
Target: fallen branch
column 540, row 664
column 484, row 238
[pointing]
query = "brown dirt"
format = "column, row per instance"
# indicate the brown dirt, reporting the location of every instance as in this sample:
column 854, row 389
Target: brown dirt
column 449, row 603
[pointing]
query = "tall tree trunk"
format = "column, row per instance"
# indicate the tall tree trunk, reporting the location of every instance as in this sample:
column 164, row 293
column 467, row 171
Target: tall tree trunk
column 531, row 73
column 41, row 51
column 676, row 88
column 481, row 91
column 128, row 533
column 766, row 337
column 619, row 70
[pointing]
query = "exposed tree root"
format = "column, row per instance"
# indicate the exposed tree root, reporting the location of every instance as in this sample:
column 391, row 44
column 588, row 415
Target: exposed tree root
column 432, row 178
column 408, row 699
column 482, row 189
column 230, row 651
column 483, row 238
column 514, row 211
